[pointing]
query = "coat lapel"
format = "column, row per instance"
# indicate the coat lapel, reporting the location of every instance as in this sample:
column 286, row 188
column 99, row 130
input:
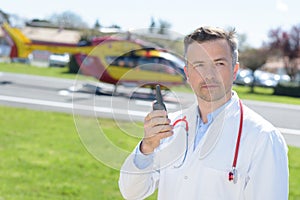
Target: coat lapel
column 216, row 128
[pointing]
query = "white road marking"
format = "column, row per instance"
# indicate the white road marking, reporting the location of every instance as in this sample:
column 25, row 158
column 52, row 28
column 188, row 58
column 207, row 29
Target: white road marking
column 149, row 104
column 289, row 131
column 101, row 109
column 272, row 105
column 64, row 92
column 72, row 106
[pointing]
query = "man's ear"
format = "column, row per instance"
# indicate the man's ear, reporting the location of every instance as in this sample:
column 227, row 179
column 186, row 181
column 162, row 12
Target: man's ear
column 235, row 70
column 186, row 74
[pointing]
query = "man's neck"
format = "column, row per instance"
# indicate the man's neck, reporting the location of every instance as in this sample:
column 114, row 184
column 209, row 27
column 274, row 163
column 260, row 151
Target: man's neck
column 206, row 107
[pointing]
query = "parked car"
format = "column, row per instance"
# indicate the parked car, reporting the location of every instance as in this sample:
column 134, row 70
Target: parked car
column 267, row 79
column 260, row 78
column 244, row 77
column 60, row 60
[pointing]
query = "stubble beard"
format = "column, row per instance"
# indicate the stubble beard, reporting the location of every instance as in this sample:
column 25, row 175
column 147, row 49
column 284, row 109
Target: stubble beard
column 213, row 95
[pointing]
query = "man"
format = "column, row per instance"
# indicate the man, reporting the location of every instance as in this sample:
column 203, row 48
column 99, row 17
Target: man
column 217, row 149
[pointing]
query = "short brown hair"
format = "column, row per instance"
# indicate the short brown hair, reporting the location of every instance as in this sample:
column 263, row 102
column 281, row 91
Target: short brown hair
column 207, row 33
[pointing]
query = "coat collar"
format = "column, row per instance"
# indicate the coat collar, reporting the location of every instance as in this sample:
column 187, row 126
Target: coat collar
column 172, row 149
column 216, row 128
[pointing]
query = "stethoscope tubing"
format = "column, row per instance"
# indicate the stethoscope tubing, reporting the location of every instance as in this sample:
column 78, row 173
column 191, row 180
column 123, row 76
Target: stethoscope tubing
column 232, row 176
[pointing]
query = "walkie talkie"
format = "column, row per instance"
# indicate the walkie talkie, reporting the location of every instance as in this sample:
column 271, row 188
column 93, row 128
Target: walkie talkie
column 159, row 104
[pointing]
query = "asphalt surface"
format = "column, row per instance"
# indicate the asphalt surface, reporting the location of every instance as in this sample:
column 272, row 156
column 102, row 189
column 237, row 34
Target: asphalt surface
column 97, row 99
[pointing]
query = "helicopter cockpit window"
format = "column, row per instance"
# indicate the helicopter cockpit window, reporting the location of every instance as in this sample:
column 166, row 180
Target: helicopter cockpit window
column 122, row 61
column 156, row 64
column 168, row 66
column 147, row 63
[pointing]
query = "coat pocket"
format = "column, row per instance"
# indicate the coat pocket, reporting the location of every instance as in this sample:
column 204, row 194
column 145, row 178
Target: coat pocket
column 201, row 182
column 215, row 184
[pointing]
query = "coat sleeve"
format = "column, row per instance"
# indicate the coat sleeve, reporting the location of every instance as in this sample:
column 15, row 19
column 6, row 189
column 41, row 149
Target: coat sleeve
column 139, row 183
column 268, row 173
column 136, row 183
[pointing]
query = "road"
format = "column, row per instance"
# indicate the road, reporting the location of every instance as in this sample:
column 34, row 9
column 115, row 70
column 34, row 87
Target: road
column 78, row 97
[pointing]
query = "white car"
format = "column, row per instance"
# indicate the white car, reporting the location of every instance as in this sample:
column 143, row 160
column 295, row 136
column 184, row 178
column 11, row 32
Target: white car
column 60, row 60
column 244, row 77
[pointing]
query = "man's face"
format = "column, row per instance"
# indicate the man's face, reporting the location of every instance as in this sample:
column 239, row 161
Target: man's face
column 209, row 71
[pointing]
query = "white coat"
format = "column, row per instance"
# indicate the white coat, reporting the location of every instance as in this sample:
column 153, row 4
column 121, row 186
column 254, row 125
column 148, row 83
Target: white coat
column 262, row 164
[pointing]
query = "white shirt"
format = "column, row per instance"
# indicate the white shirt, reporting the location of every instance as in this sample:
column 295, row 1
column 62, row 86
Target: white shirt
column 262, row 164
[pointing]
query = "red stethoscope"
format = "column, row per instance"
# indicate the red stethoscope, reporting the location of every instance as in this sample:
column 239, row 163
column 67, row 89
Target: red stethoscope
column 232, row 175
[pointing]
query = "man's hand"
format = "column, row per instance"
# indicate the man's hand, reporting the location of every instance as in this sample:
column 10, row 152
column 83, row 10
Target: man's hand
column 156, row 127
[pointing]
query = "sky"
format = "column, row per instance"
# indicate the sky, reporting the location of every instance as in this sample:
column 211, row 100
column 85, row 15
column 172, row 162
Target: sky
column 254, row 18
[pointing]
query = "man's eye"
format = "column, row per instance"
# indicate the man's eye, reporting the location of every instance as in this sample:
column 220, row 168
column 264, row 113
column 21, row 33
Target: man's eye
column 220, row 64
column 198, row 65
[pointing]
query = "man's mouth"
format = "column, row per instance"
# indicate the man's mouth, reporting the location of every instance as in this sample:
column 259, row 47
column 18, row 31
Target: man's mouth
column 209, row 85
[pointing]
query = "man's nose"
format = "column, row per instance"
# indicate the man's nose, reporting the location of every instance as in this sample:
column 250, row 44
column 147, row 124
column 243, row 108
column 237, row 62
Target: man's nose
column 208, row 72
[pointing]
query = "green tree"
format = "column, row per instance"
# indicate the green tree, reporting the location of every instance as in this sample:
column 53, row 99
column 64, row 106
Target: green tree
column 68, row 19
column 4, row 17
column 152, row 25
column 253, row 59
column 97, row 25
column 164, row 26
column 243, row 45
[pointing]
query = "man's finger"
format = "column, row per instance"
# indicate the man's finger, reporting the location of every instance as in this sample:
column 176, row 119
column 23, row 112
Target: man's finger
column 156, row 113
column 157, row 121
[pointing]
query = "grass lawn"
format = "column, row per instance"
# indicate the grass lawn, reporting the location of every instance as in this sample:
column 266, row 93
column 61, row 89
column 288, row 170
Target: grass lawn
column 42, row 157
column 260, row 94
column 60, row 72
